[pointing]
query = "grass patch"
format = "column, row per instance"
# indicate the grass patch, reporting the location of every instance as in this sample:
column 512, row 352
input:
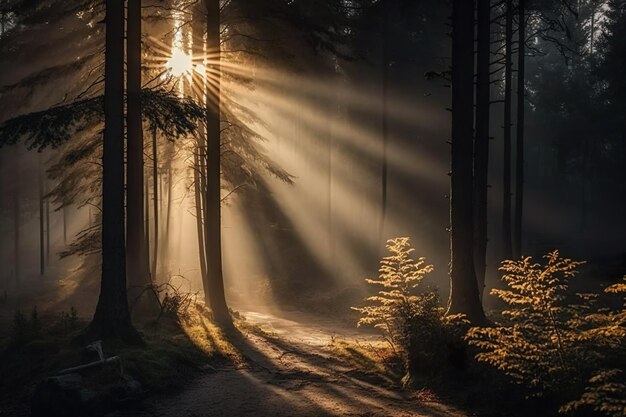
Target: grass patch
column 176, row 350
column 372, row 358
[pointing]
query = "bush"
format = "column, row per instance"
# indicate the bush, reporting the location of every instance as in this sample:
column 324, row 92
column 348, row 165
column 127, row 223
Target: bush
column 605, row 332
column 554, row 345
column 409, row 314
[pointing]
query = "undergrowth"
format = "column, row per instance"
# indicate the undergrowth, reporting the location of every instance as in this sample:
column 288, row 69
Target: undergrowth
column 410, row 316
column 176, row 349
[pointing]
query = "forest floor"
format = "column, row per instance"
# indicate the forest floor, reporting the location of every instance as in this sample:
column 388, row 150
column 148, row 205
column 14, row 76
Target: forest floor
column 293, row 367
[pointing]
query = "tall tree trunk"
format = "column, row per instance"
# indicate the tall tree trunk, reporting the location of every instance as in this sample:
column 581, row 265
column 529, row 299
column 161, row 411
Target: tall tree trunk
column 137, row 255
column 216, row 296
column 481, row 141
column 112, row 316
column 519, row 162
column 507, row 240
column 42, row 248
column 155, row 202
column 464, row 289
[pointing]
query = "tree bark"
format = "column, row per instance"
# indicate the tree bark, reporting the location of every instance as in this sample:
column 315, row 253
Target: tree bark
column 507, row 240
column 519, row 156
column 112, row 316
column 216, row 296
column 464, row 289
column 481, row 141
column 137, row 258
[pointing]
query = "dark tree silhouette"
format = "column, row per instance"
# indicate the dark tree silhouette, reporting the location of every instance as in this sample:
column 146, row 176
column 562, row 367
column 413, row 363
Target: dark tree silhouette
column 137, row 264
column 519, row 152
column 507, row 239
column 464, row 288
column 112, row 316
column 42, row 248
column 481, row 139
column 212, row 211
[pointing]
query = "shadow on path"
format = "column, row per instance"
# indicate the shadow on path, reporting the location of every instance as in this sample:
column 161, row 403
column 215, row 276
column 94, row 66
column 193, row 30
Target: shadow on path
column 288, row 376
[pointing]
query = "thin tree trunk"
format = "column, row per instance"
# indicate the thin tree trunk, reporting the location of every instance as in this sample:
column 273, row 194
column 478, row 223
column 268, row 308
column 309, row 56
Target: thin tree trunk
column 199, row 218
column 16, row 219
column 519, row 163
column 146, row 207
column 3, row 22
column 385, row 128
column 48, row 228
column 165, row 251
column 216, row 295
column 481, row 142
column 155, row 202
column 137, row 255
column 199, row 152
column 464, row 289
column 64, row 224
column 42, row 249
column 507, row 240
column 112, row 316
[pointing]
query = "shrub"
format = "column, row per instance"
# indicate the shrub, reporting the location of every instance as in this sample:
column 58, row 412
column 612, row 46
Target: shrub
column 605, row 331
column 553, row 344
column 408, row 314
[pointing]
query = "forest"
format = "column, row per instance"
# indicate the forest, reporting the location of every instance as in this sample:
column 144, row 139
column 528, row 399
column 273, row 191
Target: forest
column 311, row 208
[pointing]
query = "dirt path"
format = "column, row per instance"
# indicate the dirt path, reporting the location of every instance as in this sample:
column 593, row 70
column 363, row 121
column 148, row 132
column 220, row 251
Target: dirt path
column 290, row 371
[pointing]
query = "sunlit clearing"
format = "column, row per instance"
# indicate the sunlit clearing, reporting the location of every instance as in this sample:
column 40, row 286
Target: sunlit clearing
column 179, row 63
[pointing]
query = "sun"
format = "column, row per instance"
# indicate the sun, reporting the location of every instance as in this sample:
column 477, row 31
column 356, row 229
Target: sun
column 179, row 63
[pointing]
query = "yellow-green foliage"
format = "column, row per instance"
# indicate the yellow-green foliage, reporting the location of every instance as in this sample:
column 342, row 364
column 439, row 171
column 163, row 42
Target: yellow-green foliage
column 400, row 300
column 551, row 342
column 409, row 314
column 532, row 342
column 605, row 392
